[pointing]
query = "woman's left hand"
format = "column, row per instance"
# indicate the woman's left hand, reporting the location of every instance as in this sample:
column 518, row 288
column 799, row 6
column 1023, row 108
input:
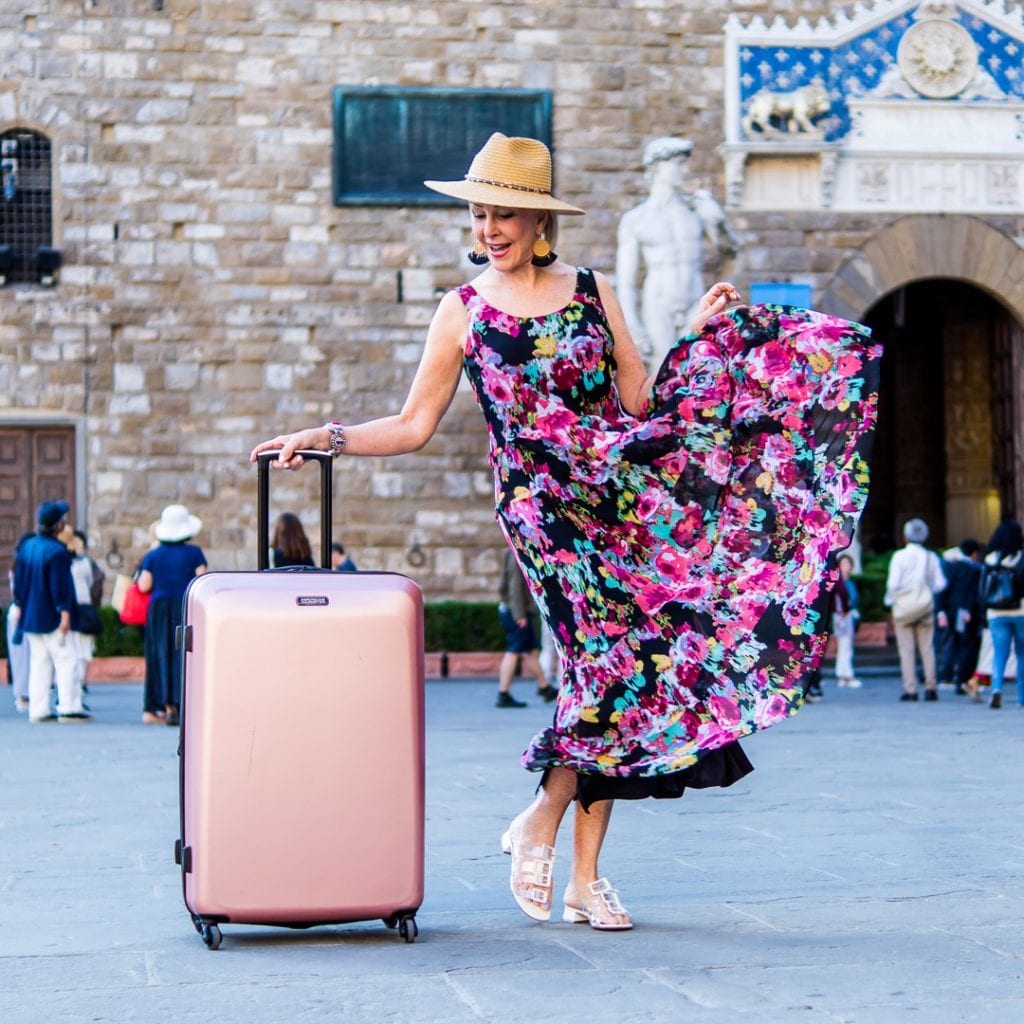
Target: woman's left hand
column 713, row 302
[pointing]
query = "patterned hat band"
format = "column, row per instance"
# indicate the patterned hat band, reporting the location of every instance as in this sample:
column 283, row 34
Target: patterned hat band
column 509, row 184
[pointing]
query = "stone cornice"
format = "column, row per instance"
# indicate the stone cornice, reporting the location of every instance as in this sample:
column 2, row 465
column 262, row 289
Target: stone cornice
column 842, row 26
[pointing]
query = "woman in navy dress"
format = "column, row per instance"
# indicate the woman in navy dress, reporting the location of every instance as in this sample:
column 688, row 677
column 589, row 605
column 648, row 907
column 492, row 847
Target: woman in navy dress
column 164, row 574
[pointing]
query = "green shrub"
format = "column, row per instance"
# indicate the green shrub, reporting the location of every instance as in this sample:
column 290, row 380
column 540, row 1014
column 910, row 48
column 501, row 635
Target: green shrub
column 448, row 626
column 117, row 638
column 871, row 586
column 462, row 626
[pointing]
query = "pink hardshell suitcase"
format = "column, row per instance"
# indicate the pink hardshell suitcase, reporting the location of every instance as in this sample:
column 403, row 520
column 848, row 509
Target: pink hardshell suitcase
column 302, row 752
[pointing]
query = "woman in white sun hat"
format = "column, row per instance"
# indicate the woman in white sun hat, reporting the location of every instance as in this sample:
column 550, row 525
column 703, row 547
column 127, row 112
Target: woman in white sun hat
column 676, row 531
column 164, row 573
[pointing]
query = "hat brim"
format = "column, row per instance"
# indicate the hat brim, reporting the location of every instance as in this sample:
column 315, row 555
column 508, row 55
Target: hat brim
column 172, row 534
column 496, row 195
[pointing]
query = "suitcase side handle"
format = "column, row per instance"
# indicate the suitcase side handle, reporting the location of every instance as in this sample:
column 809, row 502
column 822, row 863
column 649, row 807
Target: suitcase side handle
column 263, row 461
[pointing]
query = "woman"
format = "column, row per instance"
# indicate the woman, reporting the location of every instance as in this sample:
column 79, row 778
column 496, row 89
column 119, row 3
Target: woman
column 844, row 623
column 289, row 543
column 164, row 574
column 1006, row 625
column 674, row 531
column 85, row 618
column 18, row 658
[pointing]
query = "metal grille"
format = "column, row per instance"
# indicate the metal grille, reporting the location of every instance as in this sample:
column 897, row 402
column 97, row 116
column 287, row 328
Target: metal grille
column 26, row 203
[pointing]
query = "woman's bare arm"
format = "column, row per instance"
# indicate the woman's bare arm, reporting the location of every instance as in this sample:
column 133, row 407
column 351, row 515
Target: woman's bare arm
column 631, row 378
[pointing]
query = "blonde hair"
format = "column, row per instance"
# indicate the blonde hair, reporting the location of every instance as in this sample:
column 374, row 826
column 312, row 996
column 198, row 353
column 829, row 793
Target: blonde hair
column 551, row 229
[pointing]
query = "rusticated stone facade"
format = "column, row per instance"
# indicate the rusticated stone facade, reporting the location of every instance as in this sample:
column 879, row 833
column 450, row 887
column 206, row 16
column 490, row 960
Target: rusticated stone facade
column 212, row 294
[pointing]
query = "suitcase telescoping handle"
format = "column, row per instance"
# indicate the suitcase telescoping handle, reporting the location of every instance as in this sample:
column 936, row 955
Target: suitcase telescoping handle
column 263, row 471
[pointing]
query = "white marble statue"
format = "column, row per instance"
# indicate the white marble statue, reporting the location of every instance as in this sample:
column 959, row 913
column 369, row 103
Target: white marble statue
column 664, row 236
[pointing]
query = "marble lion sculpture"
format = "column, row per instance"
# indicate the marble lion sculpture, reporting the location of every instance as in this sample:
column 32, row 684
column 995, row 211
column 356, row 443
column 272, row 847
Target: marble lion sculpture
column 793, row 111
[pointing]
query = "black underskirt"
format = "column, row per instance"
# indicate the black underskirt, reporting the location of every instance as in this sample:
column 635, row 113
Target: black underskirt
column 717, row 768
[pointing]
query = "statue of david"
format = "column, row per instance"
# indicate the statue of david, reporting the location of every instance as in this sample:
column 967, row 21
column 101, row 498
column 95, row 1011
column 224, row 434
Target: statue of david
column 665, row 236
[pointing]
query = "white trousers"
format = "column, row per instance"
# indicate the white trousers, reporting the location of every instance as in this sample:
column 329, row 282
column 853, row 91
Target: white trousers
column 842, row 630
column 53, row 655
column 17, row 656
column 84, row 646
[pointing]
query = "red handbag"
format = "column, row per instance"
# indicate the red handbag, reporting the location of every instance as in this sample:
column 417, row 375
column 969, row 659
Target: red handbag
column 136, row 604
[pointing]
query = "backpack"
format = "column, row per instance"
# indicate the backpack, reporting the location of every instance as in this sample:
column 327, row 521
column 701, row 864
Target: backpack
column 1002, row 586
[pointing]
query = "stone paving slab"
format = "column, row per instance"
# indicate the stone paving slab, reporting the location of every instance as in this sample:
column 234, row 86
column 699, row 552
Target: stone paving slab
column 870, row 871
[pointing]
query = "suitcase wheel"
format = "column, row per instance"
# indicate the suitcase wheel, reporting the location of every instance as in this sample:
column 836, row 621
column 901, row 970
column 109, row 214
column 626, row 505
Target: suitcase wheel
column 211, row 935
column 407, row 927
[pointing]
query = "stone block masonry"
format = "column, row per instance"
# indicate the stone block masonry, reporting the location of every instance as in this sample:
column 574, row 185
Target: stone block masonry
column 212, row 294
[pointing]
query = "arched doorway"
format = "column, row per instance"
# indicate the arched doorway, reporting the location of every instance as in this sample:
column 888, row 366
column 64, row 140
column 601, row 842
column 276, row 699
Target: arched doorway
column 945, row 294
column 944, row 447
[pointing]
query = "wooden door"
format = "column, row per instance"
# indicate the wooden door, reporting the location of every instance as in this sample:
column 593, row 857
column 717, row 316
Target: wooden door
column 37, row 464
column 1004, row 416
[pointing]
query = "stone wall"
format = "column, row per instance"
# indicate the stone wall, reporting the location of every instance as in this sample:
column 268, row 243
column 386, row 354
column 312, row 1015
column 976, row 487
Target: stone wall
column 212, row 294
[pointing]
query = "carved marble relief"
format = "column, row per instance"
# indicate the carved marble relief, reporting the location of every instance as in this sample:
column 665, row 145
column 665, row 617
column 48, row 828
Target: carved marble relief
column 873, row 182
column 972, row 496
column 1003, row 184
column 886, row 101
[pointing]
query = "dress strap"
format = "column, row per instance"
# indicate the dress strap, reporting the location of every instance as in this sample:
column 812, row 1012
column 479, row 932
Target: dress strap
column 586, row 283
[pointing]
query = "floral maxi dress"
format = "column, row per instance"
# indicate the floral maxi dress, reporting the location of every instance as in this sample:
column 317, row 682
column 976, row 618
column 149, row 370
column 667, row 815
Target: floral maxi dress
column 683, row 558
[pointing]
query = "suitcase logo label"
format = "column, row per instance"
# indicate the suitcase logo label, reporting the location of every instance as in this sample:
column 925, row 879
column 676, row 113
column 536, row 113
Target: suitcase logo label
column 312, row 601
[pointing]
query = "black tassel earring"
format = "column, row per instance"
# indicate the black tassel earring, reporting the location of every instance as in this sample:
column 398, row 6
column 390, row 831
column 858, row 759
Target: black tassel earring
column 543, row 256
column 478, row 255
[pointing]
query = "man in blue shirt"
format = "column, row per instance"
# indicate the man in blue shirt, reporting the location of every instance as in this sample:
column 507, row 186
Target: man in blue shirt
column 45, row 592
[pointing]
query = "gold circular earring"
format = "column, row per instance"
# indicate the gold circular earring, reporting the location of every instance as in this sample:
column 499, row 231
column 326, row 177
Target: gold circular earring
column 543, row 256
column 478, row 254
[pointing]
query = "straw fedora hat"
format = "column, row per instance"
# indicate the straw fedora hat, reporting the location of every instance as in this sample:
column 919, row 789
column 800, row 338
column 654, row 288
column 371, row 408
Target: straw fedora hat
column 510, row 172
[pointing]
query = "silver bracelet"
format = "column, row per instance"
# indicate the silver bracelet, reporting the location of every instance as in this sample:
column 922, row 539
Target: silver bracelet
column 338, row 440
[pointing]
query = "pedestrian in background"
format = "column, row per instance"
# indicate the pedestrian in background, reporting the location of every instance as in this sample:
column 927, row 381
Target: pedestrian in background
column 845, row 614
column 914, row 578
column 86, row 623
column 18, row 658
column 45, row 592
column 982, row 678
column 289, row 544
column 517, row 614
column 80, row 549
column 1006, row 551
column 340, row 561
column 960, row 616
column 165, row 573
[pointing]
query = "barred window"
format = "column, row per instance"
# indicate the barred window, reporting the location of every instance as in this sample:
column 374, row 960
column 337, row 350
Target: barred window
column 26, row 208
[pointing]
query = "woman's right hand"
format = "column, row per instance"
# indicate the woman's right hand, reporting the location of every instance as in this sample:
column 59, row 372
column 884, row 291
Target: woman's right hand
column 714, row 301
column 317, row 438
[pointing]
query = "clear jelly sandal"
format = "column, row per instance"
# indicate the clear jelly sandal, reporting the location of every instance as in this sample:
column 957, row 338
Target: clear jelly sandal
column 530, row 877
column 602, row 903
